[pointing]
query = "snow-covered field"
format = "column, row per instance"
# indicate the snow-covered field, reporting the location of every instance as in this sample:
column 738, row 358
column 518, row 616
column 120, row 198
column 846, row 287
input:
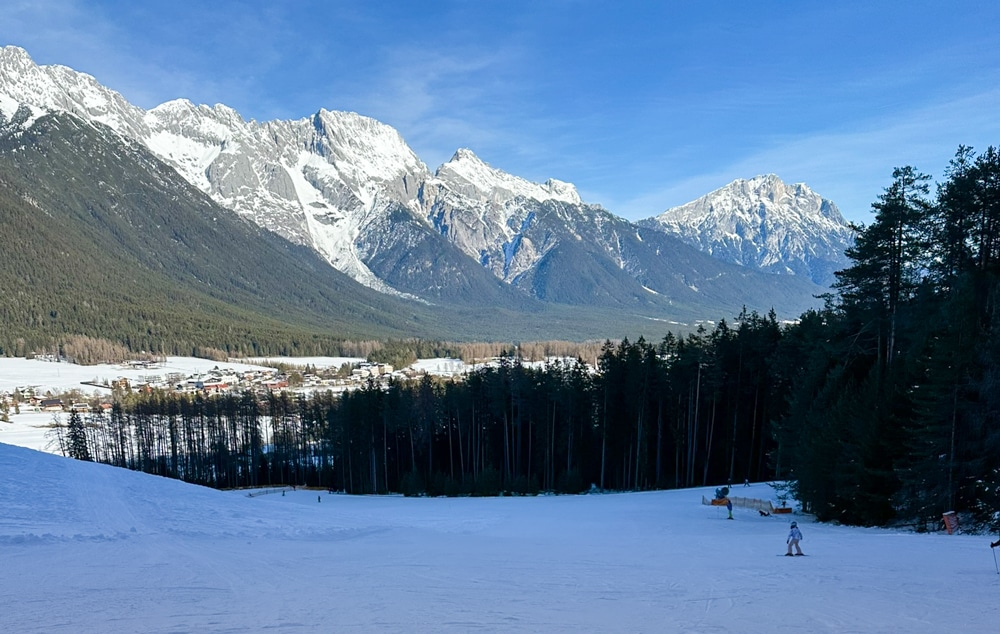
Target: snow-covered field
column 29, row 430
column 62, row 377
column 92, row 548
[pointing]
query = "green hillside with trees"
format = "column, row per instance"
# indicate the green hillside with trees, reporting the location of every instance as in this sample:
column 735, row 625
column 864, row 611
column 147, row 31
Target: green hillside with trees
column 101, row 239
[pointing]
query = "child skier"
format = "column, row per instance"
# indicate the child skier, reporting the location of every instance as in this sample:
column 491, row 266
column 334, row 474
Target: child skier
column 794, row 537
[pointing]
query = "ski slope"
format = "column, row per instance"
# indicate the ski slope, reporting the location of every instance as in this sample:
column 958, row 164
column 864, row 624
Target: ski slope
column 92, row 548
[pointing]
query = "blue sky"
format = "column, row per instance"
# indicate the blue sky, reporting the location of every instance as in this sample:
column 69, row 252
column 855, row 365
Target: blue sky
column 642, row 105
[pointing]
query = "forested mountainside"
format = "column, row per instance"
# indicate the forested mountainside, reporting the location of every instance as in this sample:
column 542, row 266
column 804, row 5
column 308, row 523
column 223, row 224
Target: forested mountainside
column 101, row 239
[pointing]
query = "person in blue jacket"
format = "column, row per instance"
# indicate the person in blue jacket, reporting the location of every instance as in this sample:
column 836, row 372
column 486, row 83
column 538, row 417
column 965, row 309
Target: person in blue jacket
column 794, row 537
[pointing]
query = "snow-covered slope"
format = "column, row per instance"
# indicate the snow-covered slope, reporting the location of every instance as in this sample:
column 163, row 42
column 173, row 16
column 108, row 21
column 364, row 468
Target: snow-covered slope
column 469, row 178
column 764, row 223
column 14, row 113
column 92, row 548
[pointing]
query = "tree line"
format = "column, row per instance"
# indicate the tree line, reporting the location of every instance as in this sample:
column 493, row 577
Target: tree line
column 686, row 411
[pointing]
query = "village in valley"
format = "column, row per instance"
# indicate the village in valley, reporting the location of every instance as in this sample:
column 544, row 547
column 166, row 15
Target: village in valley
column 40, row 394
column 47, row 384
column 98, row 394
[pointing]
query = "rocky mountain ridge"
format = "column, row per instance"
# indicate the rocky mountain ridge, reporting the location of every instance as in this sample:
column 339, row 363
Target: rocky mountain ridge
column 350, row 188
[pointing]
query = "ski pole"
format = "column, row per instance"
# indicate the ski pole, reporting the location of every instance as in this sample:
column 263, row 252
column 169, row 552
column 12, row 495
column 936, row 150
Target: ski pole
column 995, row 565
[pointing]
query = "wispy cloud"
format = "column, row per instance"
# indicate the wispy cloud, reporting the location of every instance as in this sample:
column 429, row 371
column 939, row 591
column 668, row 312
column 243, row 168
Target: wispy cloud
column 850, row 166
column 152, row 52
column 442, row 100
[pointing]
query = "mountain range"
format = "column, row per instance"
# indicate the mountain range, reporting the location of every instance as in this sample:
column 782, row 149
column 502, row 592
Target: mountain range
column 345, row 190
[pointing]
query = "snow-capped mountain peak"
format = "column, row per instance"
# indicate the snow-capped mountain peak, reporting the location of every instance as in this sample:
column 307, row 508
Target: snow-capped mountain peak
column 763, row 222
column 372, row 149
column 762, row 199
column 316, row 181
column 62, row 88
column 468, row 175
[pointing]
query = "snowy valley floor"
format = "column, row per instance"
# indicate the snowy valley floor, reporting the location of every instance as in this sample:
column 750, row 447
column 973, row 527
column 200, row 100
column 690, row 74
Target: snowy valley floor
column 91, row 548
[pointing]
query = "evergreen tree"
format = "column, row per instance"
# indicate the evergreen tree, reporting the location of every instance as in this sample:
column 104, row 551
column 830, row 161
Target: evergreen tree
column 888, row 257
column 76, row 438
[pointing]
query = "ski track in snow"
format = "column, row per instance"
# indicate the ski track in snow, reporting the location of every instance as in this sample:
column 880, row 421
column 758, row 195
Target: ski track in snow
column 91, row 548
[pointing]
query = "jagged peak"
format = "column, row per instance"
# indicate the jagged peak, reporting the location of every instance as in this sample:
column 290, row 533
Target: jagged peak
column 19, row 61
column 349, row 117
column 765, row 178
column 175, row 105
column 11, row 53
column 492, row 183
column 61, row 88
column 186, row 108
column 227, row 111
column 762, row 182
column 763, row 198
column 465, row 154
column 563, row 189
column 761, row 188
column 387, row 138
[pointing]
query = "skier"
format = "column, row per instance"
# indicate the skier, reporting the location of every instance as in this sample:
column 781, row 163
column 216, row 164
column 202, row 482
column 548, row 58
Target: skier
column 729, row 505
column 794, row 537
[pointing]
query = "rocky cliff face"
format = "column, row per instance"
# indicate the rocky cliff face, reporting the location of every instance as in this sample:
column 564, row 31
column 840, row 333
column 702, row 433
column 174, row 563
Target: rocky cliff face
column 489, row 214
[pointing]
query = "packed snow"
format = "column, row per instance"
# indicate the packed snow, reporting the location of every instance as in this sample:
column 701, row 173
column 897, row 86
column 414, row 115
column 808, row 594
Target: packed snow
column 92, row 548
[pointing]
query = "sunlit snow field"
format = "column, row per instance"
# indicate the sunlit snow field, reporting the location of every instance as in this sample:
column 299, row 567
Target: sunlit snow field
column 92, row 548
